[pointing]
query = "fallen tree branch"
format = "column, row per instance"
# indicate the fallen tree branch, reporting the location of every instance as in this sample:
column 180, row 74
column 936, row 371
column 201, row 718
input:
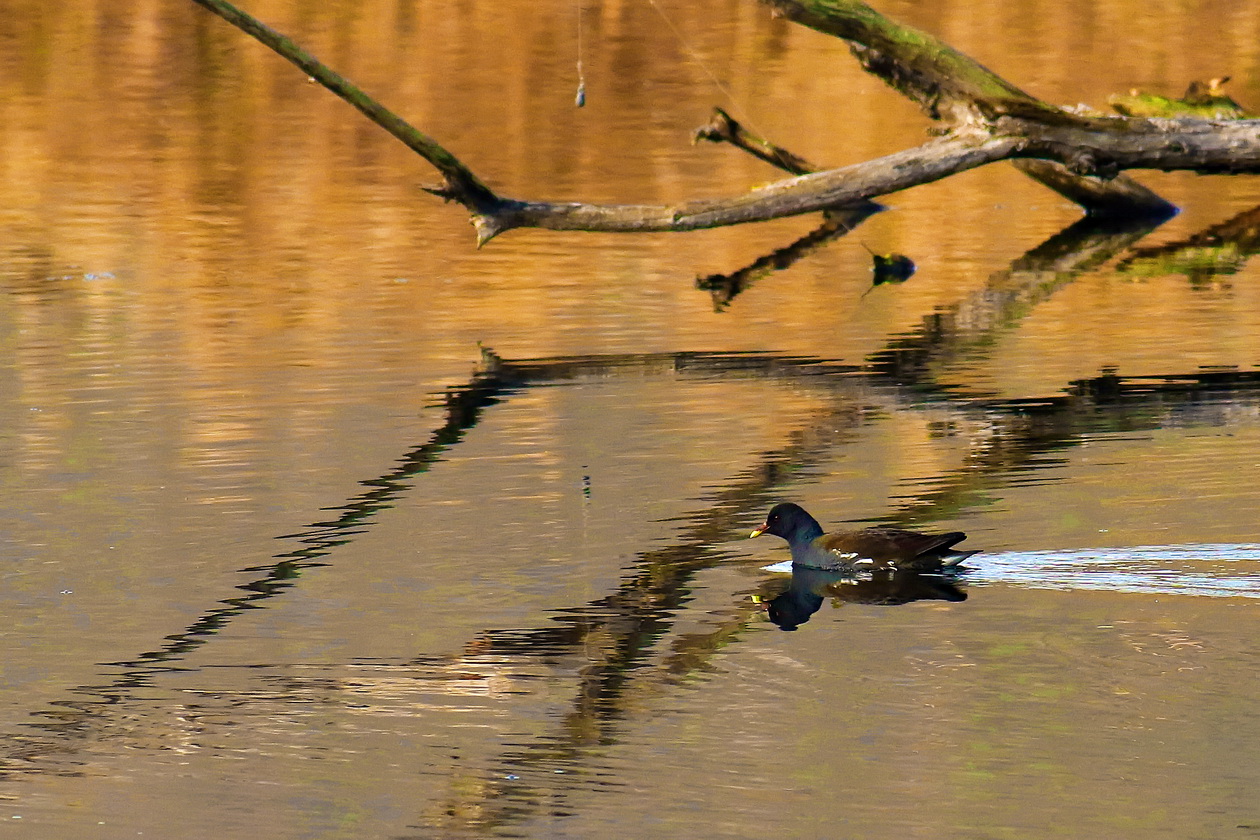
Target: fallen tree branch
column 459, row 178
column 1120, row 196
column 947, row 84
column 986, row 120
column 954, row 88
column 810, row 193
column 723, row 128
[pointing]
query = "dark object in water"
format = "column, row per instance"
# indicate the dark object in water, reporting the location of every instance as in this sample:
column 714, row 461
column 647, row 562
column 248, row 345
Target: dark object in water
column 809, row 588
column 889, row 268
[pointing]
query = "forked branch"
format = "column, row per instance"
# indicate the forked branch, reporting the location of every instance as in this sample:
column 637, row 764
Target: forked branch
column 984, row 119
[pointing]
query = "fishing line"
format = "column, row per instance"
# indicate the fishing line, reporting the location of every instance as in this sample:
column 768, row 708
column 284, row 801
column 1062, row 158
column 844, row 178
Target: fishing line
column 699, row 60
column 580, row 99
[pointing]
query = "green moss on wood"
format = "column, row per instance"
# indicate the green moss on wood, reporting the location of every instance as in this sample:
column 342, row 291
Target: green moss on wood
column 912, row 61
column 1204, row 100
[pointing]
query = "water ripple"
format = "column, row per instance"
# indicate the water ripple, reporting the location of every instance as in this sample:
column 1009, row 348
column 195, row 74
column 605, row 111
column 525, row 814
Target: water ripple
column 1222, row 570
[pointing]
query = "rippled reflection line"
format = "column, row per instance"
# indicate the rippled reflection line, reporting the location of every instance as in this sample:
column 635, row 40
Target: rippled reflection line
column 464, row 404
column 637, row 625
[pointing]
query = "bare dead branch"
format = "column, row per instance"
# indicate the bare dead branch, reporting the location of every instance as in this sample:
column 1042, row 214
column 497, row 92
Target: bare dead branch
column 950, row 86
column 723, row 128
column 987, row 119
column 947, row 84
column 461, row 184
column 1119, row 197
column 810, row 193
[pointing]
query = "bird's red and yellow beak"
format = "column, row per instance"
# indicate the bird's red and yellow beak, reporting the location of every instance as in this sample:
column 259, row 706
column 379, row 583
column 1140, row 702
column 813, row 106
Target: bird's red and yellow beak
column 758, row 532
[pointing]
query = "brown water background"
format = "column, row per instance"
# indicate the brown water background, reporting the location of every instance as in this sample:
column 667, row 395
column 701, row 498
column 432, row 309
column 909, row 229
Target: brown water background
column 276, row 561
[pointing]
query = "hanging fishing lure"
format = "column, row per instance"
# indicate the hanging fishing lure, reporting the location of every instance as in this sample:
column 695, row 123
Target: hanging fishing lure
column 580, row 99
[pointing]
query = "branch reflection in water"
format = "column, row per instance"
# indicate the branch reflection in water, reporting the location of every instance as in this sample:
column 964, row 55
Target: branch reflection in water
column 633, row 622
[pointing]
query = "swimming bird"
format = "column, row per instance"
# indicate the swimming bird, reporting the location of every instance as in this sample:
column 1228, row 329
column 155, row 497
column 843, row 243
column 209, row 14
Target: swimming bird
column 869, row 549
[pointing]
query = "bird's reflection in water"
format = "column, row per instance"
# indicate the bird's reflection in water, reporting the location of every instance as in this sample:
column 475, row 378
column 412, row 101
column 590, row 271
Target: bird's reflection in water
column 809, row 587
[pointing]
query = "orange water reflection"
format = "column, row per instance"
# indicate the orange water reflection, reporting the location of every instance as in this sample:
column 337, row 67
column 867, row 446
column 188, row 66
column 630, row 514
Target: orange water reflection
column 227, row 305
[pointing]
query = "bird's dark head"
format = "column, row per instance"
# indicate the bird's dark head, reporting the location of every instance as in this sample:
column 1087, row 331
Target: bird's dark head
column 791, row 522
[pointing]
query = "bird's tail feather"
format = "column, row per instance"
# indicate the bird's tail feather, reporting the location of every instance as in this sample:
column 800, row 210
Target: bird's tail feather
column 950, row 559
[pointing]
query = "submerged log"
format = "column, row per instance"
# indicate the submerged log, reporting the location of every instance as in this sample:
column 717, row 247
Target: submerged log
column 983, row 119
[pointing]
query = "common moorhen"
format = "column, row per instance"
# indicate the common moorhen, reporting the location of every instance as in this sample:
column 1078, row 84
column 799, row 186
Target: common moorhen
column 869, row 549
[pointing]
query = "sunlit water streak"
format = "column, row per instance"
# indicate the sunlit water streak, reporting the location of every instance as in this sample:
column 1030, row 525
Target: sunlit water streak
column 1151, row 569
column 1160, row 569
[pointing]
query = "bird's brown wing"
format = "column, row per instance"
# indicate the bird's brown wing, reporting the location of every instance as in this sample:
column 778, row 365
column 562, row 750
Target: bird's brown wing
column 887, row 545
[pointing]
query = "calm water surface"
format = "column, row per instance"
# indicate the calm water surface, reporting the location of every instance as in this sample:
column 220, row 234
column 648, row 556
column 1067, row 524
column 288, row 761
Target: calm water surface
column 286, row 553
